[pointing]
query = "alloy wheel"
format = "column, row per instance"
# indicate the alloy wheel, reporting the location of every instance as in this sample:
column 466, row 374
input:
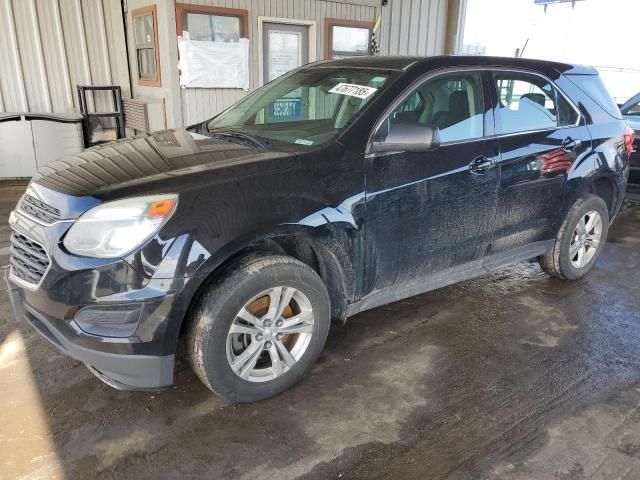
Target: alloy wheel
column 585, row 239
column 269, row 334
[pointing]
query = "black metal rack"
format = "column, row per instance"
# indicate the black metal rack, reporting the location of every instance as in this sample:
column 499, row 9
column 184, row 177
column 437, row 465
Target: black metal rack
column 90, row 117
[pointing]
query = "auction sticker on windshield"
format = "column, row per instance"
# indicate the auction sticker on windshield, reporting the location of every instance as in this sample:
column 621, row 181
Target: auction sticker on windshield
column 359, row 91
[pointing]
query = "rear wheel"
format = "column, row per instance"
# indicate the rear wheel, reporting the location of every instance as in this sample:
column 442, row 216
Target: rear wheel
column 579, row 241
column 259, row 328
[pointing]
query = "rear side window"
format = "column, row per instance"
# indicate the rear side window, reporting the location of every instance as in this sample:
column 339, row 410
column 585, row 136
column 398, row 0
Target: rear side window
column 528, row 102
column 567, row 115
column 592, row 85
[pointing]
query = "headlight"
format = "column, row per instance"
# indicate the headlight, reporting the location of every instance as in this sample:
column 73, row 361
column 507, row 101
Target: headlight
column 115, row 228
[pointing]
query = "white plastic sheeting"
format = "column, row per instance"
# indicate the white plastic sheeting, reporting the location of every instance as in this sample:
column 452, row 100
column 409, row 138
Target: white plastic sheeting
column 206, row 64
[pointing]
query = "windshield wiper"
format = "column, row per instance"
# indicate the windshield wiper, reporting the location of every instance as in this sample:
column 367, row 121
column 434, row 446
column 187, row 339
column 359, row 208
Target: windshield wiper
column 240, row 136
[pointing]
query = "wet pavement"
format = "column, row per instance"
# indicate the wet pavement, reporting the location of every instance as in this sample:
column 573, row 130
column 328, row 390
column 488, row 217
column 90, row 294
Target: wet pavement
column 513, row 375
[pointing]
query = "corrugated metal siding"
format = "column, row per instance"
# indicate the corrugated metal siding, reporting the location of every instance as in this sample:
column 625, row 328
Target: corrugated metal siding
column 50, row 46
column 413, row 27
column 12, row 89
column 199, row 103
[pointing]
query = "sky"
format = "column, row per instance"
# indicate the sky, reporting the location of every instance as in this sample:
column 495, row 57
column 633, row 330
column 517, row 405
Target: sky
column 592, row 32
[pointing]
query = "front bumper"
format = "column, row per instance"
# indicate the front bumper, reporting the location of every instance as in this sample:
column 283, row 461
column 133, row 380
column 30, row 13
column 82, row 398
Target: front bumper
column 120, row 370
column 123, row 325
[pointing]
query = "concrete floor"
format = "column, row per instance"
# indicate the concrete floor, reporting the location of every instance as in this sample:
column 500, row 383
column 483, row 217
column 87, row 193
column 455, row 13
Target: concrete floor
column 514, row 375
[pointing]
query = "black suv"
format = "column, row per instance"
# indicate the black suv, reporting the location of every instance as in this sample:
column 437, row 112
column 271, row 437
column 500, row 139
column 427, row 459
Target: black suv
column 336, row 188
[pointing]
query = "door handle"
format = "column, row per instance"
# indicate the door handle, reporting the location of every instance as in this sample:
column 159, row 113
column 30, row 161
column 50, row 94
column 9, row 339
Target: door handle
column 569, row 144
column 481, row 164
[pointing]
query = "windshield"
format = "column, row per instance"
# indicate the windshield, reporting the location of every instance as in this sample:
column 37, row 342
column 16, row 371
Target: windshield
column 307, row 107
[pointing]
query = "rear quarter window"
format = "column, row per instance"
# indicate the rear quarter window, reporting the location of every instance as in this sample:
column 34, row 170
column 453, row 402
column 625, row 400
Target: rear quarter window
column 592, row 85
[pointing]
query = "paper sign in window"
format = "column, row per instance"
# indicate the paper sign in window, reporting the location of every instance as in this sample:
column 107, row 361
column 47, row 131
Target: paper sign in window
column 284, row 52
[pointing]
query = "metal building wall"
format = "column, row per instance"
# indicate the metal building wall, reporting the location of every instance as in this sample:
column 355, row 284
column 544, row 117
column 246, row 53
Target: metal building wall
column 199, row 104
column 413, row 27
column 47, row 47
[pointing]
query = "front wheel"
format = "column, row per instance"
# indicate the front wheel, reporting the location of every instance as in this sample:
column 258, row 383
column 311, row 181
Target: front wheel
column 580, row 240
column 259, row 328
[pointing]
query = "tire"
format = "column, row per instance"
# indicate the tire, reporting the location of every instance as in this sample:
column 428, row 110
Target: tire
column 560, row 261
column 213, row 348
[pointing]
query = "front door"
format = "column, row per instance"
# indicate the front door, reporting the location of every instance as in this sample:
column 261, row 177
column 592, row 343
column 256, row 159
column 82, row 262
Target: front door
column 429, row 211
column 541, row 138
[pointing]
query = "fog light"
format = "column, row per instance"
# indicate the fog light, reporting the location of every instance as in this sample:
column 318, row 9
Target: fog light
column 109, row 321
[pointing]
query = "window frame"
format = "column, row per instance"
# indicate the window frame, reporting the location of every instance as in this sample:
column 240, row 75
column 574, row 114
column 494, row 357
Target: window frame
column 141, row 12
column 488, row 132
column 629, row 104
column 558, row 91
column 329, row 23
column 183, row 8
column 632, row 112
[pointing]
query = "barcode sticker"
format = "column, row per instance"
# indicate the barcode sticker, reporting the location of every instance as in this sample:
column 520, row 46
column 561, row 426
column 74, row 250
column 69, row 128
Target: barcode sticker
column 358, row 91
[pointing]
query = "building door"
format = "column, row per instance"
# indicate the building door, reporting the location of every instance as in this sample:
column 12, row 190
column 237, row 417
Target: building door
column 285, row 46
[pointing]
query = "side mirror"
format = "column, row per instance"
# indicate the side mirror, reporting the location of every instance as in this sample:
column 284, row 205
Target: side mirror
column 408, row 137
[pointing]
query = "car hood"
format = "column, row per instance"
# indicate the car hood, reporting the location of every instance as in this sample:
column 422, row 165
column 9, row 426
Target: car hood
column 168, row 161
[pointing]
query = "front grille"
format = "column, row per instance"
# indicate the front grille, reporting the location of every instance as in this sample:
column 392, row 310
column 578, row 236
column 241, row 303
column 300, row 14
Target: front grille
column 29, row 260
column 38, row 209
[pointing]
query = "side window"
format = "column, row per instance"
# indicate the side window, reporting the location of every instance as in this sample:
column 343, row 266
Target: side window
column 451, row 102
column 211, row 24
column 632, row 109
column 346, row 38
column 528, row 102
column 145, row 28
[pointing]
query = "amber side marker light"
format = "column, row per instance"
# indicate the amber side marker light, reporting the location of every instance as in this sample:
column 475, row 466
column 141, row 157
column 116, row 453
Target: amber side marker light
column 160, row 208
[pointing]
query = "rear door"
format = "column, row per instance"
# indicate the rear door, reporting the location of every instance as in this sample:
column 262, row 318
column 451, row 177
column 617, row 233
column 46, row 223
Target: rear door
column 541, row 137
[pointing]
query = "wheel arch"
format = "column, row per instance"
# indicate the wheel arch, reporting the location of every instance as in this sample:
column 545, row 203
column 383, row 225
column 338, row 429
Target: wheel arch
column 606, row 188
column 317, row 247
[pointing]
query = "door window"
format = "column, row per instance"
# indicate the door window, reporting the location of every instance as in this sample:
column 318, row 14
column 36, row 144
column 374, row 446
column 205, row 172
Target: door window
column 451, row 102
column 285, row 47
column 528, row 102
